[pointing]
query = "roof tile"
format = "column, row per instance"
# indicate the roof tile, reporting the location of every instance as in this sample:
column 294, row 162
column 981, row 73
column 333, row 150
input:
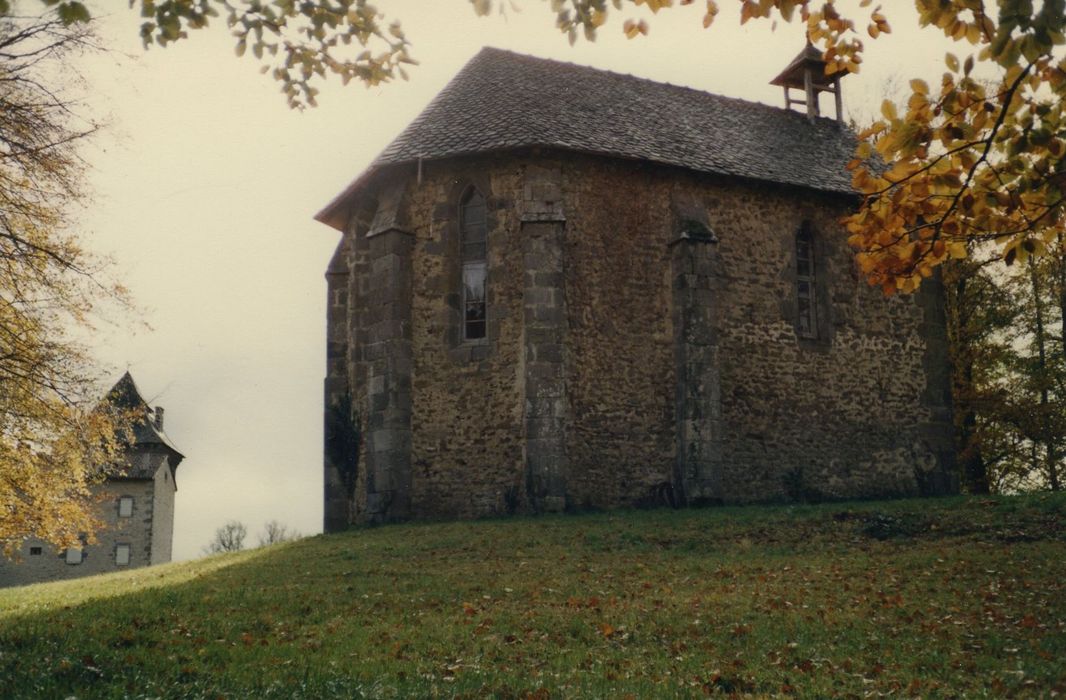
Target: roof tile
column 501, row 100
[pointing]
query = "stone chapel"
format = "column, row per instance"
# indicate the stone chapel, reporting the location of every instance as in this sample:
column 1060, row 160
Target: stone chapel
column 565, row 288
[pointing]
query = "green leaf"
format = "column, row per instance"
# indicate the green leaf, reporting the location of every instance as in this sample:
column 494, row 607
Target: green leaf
column 171, row 28
column 71, row 12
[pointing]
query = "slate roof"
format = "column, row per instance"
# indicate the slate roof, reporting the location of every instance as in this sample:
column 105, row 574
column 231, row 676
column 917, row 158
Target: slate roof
column 502, row 100
column 146, row 433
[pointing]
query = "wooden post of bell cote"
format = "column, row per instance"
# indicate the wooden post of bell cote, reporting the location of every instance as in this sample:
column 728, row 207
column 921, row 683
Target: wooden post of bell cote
column 806, row 72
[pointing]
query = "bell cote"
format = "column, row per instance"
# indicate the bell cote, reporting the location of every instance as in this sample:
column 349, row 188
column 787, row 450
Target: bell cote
column 806, row 73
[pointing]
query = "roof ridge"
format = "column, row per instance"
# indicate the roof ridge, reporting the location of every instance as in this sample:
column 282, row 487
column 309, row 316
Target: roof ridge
column 629, row 76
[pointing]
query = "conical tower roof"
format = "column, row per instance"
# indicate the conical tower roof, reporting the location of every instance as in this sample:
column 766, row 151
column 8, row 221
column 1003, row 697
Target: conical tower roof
column 147, row 432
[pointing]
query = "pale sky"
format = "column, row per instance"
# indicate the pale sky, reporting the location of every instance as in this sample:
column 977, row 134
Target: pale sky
column 205, row 185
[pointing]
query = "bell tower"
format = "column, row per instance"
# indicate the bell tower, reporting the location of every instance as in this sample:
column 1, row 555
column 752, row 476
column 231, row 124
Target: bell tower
column 806, row 72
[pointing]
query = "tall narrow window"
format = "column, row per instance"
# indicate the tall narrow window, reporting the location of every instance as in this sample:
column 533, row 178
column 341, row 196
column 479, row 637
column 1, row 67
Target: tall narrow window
column 472, row 254
column 806, row 322
column 125, row 507
column 122, row 554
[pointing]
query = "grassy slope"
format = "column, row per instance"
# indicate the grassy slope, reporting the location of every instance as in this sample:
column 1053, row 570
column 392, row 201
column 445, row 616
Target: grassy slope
column 947, row 597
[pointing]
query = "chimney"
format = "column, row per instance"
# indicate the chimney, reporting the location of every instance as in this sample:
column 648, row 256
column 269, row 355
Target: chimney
column 806, row 72
column 158, row 419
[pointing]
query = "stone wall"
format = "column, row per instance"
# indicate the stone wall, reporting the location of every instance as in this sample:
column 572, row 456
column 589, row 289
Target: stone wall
column 467, row 448
column 627, row 363
column 51, row 565
column 779, row 403
column 162, row 525
column 620, row 349
column 836, row 416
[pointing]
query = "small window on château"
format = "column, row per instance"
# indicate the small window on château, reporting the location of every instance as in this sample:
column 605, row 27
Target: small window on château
column 806, row 321
column 122, row 555
column 473, row 233
column 125, row 507
column 35, row 551
column 74, row 555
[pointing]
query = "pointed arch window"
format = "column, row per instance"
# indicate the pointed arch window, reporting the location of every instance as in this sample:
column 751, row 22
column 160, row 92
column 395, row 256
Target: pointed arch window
column 806, row 306
column 473, row 234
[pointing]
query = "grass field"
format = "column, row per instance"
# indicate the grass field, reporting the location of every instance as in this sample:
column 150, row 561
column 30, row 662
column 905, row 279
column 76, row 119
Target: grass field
column 932, row 598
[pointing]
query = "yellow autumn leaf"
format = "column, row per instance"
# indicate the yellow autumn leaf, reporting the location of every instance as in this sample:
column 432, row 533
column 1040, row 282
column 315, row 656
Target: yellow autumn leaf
column 712, row 12
column 633, row 29
column 656, row 5
column 900, row 171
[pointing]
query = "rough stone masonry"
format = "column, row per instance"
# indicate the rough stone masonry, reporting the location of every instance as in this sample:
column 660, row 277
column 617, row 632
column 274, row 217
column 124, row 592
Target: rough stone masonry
column 674, row 323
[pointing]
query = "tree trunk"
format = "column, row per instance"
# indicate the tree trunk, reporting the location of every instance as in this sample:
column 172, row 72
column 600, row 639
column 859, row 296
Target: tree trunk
column 971, row 460
column 1047, row 433
column 1053, row 467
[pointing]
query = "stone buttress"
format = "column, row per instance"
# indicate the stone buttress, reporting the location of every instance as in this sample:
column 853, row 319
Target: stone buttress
column 545, row 402
column 368, row 383
column 388, row 360
column 340, row 454
column 698, row 406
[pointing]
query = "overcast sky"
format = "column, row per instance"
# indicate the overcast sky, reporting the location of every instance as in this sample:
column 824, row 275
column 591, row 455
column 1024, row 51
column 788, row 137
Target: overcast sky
column 205, row 184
